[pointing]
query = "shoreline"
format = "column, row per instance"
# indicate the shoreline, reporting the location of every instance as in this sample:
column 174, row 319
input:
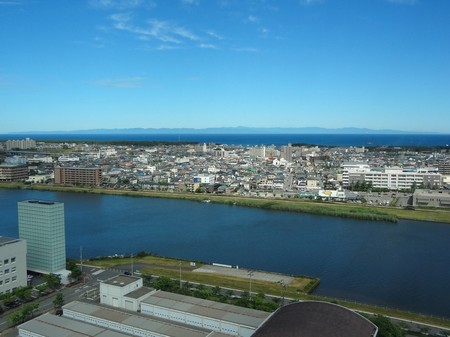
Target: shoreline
column 359, row 212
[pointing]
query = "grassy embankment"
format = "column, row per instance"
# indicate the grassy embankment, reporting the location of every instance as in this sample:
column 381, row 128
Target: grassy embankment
column 355, row 211
column 297, row 290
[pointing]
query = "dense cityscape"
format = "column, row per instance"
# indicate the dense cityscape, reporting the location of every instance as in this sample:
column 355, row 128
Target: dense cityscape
column 331, row 173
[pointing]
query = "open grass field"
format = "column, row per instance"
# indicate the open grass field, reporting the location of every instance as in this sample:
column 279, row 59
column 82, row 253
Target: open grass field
column 161, row 266
column 297, row 290
column 355, row 211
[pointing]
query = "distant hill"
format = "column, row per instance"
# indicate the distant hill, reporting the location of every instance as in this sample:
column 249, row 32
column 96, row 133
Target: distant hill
column 227, row 130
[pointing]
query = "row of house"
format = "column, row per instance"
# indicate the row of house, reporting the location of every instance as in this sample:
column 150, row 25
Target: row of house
column 266, row 171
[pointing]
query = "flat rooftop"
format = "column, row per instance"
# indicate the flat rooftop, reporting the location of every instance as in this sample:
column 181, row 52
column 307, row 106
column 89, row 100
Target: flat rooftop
column 40, row 202
column 206, row 308
column 148, row 323
column 121, row 280
column 138, row 293
column 56, row 326
column 4, row 240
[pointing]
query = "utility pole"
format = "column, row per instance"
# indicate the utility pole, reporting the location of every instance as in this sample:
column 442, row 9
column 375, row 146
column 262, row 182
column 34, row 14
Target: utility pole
column 180, row 273
column 81, row 262
column 283, row 289
column 250, row 274
column 132, row 266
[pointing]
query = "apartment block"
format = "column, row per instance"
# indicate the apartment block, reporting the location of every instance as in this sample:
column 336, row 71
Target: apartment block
column 10, row 172
column 78, row 176
column 22, row 144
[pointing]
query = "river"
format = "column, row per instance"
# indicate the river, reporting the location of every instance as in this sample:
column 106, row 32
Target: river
column 403, row 265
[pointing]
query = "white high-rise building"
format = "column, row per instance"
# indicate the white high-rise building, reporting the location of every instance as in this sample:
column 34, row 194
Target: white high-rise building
column 13, row 264
column 41, row 224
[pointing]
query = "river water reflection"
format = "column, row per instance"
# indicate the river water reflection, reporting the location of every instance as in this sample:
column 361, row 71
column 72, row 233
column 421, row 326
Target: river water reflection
column 404, row 265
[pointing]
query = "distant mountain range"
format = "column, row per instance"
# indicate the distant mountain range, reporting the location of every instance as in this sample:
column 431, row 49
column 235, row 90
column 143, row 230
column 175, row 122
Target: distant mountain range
column 227, row 130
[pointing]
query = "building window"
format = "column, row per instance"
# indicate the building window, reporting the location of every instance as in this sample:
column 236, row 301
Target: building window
column 7, row 281
column 13, row 259
column 14, row 278
column 6, row 271
column 13, row 269
column 6, row 261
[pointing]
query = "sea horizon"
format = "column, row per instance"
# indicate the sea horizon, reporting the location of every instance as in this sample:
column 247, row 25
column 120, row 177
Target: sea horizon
column 253, row 139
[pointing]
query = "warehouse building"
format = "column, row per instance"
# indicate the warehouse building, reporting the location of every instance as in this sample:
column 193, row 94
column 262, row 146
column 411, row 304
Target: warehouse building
column 86, row 319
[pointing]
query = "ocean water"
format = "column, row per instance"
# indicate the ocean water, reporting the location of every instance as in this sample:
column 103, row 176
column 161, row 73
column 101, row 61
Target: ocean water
column 260, row 139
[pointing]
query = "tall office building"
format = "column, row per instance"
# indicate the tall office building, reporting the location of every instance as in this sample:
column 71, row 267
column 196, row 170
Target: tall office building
column 41, row 224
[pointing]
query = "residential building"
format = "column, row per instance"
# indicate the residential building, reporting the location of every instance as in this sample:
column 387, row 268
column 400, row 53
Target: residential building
column 393, row 178
column 22, row 144
column 286, row 152
column 41, row 224
column 13, row 172
column 13, row 264
column 78, row 176
column 204, row 179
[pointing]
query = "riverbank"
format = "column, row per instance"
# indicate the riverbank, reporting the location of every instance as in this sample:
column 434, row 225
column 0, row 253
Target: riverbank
column 296, row 290
column 361, row 212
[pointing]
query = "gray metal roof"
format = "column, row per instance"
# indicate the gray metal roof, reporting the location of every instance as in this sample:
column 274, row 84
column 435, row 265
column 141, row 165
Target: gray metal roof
column 55, row 326
column 121, row 280
column 138, row 293
column 148, row 323
column 216, row 310
column 4, row 240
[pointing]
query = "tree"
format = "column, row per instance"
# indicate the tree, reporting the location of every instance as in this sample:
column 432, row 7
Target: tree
column 386, row 328
column 20, row 316
column 53, row 281
column 75, row 274
column 58, row 301
column 23, row 293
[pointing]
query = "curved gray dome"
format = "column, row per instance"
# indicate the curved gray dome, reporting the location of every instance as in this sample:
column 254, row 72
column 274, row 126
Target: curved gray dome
column 313, row 319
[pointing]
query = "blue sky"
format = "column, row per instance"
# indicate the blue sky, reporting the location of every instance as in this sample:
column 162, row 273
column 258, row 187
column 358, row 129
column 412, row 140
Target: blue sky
column 75, row 64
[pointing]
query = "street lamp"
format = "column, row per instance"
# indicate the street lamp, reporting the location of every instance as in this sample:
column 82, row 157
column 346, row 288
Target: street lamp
column 250, row 274
column 283, row 289
column 180, row 273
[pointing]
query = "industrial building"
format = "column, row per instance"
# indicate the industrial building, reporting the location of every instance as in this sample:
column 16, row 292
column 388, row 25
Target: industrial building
column 431, row 198
column 41, row 224
column 163, row 314
column 313, row 319
column 78, row 176
column 87, row 319
column 127, row 292
column 13, row 264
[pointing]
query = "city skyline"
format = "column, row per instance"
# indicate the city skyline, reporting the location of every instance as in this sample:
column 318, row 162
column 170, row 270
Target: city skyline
column 107, row 64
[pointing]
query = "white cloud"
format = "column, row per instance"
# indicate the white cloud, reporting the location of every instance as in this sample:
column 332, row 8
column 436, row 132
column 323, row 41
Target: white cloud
column 310, row 2
column 252, row 18
column 10, row 3
column 128, row 82
column 190, row 2
column 403, row 2
column 163, row 31
column 207, row 46
column 121, row 4
column 246, row 49
column 214, row 35
column 167, row 47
